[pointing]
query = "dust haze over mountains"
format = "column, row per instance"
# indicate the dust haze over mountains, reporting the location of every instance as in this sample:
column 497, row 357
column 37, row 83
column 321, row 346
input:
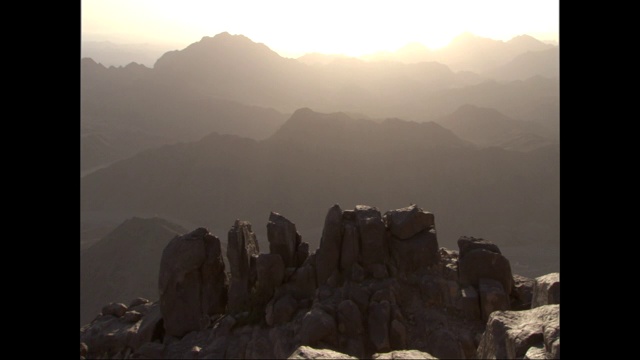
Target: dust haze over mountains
column 226, row 128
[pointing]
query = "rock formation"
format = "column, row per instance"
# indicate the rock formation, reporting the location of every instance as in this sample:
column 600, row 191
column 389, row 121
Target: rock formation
column 378, row 287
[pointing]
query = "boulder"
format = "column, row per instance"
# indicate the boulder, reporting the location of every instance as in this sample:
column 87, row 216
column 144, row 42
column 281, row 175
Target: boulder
column 328, row 258
column 373, row 248
column 510, row 334
column 317, row 326
column 379, row 320
column 468, row 243
column 482, row 263
column 302, row 253
column 132, row 316
column 492, row 297
column 415, row 254
column 241, row 245
column 138, row 301
column 403, row 354
column 309, row 353
column 283, row 239
column 406, row 222
column 192, row 282
column 280, row 311
column 115, row 309
column 546, row 290
column 350, row 318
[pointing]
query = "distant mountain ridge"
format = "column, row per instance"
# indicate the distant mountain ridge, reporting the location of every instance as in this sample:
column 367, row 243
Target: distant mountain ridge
column 124, row 264
column 509, row 196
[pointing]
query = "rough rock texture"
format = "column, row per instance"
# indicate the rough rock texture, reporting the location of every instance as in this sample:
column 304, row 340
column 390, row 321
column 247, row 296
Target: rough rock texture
column 192, row 282
column 381, row 290
column 469, row 243
column 546, row 290
column 242, row 244
column 404, row 354
column 372, row 235
column 309, row 353
column 407, row 222
column 115, row 309
column 522, row 293
column 270, row 269
column 510, row 334
column 492, row 297
column 330, row 244
column 283, row 239
column 317, row 326
column 482, row 263
column 415, row 254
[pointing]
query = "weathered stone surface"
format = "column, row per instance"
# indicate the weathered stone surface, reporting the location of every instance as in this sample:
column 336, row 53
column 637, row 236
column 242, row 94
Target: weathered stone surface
column 379, row 320
column 350, row 246
column 469, row 303
column 403, row 354
column 151, row 328
column 280, row 311
column 467, row 244
column 492, row 297
column 398, row 335
column 132, row 316
column 415, row 254
column 510, row 334
column 317, row 325
column 138, row 301
column 350, row 318
column 303, row 283
column 481, row 263
column 309, row 353
column 372, row 235
column 115, row 309
column 328, row 259
column 444, row 344
column 241, row 245
column 192, row 282
column 546, row 290
column 270, row 269
column 433, row 290
column 407, row 222
column 535, row 352
column 283, row 239
column 259, row 347
column 522, row 292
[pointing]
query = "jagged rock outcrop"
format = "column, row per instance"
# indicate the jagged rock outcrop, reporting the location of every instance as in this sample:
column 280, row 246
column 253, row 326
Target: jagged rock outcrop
column 242, row 245
column 192, row 282
column 481, row 259
column 546, row 290
column 377, row 286
column 284, row 240
column 511, row 334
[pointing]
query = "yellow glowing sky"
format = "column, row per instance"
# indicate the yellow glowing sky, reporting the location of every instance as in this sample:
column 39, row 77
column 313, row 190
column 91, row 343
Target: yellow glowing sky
column 292, row 28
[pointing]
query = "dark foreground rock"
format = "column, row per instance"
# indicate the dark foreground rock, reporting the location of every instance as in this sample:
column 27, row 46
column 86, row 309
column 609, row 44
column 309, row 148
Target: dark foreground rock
column 378, row 287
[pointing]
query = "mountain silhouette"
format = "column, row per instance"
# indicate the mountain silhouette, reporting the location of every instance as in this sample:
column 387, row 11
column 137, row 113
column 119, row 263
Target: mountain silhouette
column 511, row 197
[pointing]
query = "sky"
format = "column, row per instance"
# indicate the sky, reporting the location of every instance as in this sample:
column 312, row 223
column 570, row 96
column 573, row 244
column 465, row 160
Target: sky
column 293, row 28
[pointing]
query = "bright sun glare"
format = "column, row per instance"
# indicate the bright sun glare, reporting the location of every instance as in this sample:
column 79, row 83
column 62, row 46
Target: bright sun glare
column 293, row 28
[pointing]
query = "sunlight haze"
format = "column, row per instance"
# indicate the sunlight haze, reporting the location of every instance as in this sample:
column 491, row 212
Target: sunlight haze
column 293, row 28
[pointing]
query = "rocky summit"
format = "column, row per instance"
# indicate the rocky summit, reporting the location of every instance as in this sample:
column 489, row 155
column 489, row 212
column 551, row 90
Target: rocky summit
column 379, row 286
